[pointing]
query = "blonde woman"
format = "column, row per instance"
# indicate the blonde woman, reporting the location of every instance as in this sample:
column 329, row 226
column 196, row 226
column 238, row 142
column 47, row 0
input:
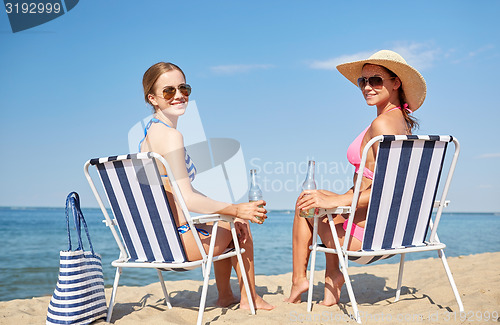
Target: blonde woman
column 166, row 90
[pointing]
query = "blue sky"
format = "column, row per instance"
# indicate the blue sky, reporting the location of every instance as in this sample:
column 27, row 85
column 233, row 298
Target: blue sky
column 262, row 73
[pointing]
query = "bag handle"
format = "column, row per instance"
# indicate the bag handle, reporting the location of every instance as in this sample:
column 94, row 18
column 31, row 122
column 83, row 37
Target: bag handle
column 73, row 202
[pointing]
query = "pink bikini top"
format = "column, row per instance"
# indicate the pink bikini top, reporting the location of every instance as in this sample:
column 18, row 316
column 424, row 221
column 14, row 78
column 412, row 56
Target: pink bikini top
column 354, row 150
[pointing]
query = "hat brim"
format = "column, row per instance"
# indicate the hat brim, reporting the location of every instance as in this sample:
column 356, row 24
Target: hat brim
column 413, row 83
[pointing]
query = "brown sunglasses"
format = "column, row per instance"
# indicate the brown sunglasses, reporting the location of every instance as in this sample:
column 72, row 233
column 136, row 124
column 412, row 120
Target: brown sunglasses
column 375, row 82
column 169, row 92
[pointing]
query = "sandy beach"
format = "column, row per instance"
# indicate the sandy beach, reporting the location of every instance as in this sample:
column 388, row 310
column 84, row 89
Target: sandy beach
column 426, row 297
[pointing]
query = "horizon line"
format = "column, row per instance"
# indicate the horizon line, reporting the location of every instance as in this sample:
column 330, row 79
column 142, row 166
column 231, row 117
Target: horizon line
column 270, row 210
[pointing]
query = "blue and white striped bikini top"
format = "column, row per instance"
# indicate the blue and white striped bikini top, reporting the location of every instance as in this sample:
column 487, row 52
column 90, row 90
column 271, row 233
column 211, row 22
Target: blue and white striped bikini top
column 191, row 169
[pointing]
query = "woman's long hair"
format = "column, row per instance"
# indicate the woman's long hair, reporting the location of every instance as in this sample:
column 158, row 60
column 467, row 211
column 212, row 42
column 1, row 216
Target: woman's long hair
column 411, row 122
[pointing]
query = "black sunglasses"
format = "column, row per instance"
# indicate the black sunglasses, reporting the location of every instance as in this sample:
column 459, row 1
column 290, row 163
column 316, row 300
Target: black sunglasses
column 169, row 92
column 375, row 82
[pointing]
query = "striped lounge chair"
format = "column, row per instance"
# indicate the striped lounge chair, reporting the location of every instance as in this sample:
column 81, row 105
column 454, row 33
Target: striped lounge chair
column 403, row 195
column 143, row 225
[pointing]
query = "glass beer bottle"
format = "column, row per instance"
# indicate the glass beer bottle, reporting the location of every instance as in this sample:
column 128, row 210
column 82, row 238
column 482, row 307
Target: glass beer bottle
column 309, row 184
column 255, row 193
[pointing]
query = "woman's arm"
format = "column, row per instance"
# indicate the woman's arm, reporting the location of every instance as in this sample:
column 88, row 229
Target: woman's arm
column 170, row 144
column 383, row 124
column 328, row 200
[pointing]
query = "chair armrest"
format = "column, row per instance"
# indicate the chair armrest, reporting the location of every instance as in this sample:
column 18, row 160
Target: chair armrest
column 113, row 222
column 436, row 204
column 338, row 210
column 206, row 218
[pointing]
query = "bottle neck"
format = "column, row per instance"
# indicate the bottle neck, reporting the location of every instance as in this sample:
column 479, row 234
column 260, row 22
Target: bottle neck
column 310, row 171
column 255, row 193
column 309, row 183
column 253, row 177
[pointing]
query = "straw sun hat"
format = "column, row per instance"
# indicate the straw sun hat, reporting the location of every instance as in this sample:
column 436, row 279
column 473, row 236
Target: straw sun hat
column 413, row 83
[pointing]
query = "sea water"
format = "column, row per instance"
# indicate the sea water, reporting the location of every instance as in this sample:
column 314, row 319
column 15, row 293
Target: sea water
column 31, row 238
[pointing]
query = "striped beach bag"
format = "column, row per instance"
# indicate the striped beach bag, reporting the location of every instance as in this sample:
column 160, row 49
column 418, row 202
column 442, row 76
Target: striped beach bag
column 79, row 295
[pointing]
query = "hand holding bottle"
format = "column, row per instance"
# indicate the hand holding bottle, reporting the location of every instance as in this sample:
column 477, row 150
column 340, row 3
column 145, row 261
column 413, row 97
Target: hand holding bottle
column 253, row 211
column 255, row 193
column 309, row 199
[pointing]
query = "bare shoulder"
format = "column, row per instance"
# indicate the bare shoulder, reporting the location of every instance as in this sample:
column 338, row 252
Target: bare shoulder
column 164, row 139
column 386, row 124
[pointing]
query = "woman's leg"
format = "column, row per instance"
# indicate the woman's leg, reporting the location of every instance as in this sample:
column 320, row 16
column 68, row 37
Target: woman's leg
column 334, row 279
column 222, row 268
column 248, row 262
column 301, row 240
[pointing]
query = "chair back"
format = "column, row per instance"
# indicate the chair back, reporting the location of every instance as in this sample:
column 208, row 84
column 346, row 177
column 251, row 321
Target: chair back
column 142, row 211
column 406, row 179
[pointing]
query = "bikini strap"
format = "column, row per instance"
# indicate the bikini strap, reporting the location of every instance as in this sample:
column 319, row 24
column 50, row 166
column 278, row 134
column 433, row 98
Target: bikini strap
column 405, row 107
column 190, row 167
column 146, row 129
column 155, row 120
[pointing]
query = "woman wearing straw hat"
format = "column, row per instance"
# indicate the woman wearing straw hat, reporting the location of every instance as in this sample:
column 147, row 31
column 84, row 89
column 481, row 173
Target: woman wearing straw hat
column 396, row 89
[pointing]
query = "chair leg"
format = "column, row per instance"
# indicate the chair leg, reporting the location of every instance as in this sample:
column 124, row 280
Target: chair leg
column 313, row 264
column 311, row 280
column 206, row 274
column 400, row 277
column 113, row 294
column 164, row 288
column 450, row 278
column 203, row 267
column 343, row 268
column 349, row 288
column 204, row 291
